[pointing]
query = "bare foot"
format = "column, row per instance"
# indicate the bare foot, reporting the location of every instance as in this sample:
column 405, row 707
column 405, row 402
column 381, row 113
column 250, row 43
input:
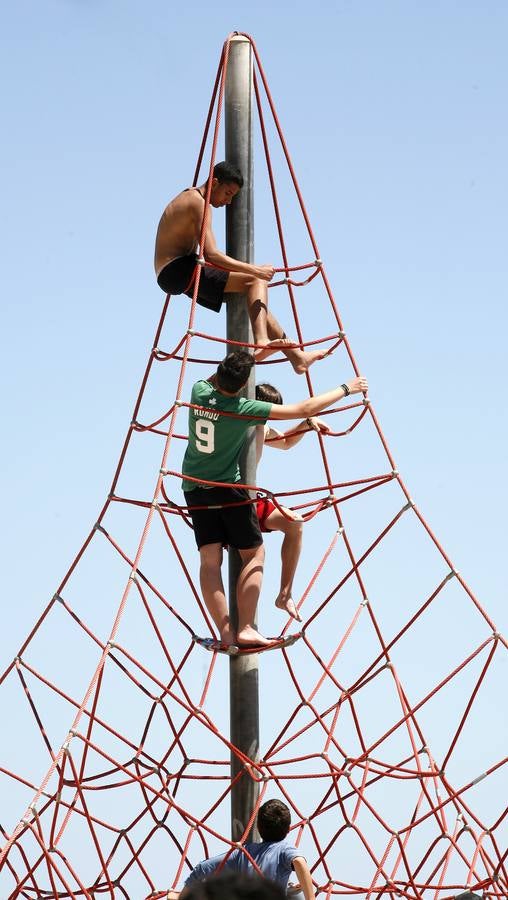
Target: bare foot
column 306, row 358
column 288, row 605
column 228, row 636
column 269, row 347
column 249, row 635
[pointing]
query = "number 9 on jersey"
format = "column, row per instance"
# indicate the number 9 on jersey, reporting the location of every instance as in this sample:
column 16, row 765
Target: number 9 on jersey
column 205, row 436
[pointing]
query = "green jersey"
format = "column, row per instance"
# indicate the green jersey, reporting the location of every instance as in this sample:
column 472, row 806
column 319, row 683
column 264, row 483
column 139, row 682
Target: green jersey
column 215, row 441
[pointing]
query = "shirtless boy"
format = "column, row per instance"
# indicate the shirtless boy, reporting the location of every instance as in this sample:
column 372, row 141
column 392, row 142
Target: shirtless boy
column 176, row 256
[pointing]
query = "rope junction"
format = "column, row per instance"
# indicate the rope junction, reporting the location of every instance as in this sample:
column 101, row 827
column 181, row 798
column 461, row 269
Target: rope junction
column 123, row 774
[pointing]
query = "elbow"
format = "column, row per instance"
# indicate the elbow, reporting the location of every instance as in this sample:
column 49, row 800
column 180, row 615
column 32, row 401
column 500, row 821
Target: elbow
column 308, row 408
column 211, row 256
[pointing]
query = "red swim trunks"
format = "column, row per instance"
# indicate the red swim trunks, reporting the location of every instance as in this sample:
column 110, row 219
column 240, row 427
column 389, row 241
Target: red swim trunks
column 264, row 508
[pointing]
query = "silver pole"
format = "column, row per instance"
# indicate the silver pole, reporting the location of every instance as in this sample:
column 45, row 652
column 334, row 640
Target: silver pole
column 243, row 674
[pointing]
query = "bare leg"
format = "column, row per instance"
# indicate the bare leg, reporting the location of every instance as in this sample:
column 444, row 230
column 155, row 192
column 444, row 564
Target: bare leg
column 256, row 291
column 266, row 329
column 247, row 595
column 290, row 554
column 212, row 588
column 301, row 360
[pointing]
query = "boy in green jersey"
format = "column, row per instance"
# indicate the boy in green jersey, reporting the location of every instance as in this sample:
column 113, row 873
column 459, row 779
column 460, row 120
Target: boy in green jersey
column 219, row 420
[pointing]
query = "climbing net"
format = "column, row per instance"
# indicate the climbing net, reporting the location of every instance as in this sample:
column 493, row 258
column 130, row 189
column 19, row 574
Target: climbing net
column 379, row 730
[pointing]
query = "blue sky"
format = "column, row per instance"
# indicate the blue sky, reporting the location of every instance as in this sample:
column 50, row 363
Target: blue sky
column 394, row 114
column 395, row 123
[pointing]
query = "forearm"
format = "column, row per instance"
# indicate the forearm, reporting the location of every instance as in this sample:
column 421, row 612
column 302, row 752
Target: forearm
column 294, row 435
column 228, row 262
column 304, row 878
column 307, row 887
column 309, row 407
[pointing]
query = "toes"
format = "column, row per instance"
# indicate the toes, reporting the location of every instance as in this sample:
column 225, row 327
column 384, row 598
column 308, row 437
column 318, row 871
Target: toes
column 288, row 606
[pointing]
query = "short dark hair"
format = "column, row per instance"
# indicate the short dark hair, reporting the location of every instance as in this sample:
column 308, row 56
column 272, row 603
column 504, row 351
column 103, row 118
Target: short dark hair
column 468, row 895
column 231, row 885
column 268, row 393
column 234, row 370
column 274, row 819
column 226, row 172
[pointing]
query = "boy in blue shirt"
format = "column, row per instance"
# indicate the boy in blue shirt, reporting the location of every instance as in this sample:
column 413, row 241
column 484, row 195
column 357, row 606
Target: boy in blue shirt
column 275, row 857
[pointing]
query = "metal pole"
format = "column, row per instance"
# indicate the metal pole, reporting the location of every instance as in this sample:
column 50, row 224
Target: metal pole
column 243, row 674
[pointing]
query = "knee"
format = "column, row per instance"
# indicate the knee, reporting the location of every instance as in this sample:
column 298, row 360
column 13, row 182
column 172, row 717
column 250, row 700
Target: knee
column 256, row 554
column 295, row 529
column 211, row 559
column 247, row 282
column 255, row 285
column 292, row 525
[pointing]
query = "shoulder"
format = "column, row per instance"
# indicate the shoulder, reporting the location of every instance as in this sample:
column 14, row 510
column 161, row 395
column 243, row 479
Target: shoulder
column 201, row 388
column 192, row 200
column 291, row 853
column 193, row 197
column 186, row 201
column 175, row 201
column 255, row 407
column 204, row 868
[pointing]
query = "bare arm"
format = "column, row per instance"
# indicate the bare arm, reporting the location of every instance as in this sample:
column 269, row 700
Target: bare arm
column 214, row 255
column 304, row 877
column 314, row 405
column 294, row 435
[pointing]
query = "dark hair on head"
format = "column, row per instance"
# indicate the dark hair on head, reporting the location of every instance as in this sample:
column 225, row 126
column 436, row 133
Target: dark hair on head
column 226, row 172
column 268, row 393
column 233, row 372
column 468, row 895
column 231, row 885
column 274, row 820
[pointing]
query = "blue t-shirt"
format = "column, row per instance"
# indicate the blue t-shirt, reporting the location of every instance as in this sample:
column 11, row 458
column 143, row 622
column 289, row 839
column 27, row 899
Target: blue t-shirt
column 275, row 860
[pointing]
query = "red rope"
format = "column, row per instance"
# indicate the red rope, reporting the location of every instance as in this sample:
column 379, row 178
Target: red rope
column 328, row 736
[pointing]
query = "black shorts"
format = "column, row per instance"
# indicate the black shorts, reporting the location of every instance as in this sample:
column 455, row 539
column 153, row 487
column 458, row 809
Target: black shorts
column 178, row 278
column 233, row 526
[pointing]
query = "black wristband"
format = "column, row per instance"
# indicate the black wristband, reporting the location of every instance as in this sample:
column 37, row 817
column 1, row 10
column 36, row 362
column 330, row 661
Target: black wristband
column 346, row 390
